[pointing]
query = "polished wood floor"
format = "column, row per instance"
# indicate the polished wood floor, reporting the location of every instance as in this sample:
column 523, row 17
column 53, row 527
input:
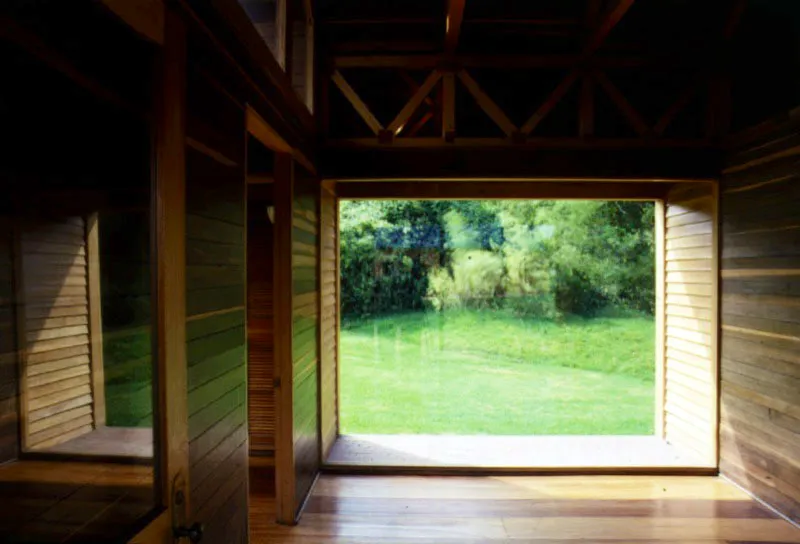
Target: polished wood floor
column 613, row 453
column 544, row 509
column 72, row 503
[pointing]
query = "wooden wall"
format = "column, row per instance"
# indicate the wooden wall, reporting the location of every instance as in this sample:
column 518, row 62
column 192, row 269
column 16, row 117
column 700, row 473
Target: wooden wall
column 215, row 306
column 329, row 319
column 53, row 325
column 260, row 329
column 760, row 348
column 9, row 425
column 690, row 398
column 305, row 334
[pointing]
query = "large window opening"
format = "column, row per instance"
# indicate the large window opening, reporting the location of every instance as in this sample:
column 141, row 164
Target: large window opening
column 501, row 332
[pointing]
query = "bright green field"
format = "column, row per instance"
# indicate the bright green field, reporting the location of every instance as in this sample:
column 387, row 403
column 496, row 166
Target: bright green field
column 471, row 372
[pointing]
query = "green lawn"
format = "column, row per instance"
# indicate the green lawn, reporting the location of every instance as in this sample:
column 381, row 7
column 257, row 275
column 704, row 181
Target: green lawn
column 471, row 372
column 128, row 371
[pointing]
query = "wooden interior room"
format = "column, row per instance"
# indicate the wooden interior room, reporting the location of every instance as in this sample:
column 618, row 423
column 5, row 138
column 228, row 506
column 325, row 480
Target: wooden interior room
column 172, row 172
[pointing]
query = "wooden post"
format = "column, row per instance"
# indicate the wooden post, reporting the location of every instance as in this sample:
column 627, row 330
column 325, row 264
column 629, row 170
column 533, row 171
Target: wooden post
column 22, row 343
column 95, row 320
column 661, row 318
column 716, row 337
column 285, row 478
column 171, row 424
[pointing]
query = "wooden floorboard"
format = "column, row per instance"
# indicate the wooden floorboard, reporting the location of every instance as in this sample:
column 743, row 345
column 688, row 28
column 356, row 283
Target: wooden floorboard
column 543, row 509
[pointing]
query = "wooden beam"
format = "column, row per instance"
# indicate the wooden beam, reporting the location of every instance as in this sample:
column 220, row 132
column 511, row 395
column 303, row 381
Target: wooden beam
column 586, row 114
column 282, row 33
column 264, row 133
column 361, row 108
column 422, row 62
column 285, row 475
column 415, row 128
column 551, row 101
column 675, row 108
column 561, row 190
column 487, row 104
column 414, row 87
column 449, row 108
column 538, row 143
column 521, row 161
column 146, row 17
column 606, row 25
column 399, row 122
column 455, row 16
column 94, row 293
column 634, row 118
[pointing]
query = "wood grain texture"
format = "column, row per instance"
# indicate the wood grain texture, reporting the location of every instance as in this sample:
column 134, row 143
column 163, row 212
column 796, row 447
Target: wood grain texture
column 305, row 339
column 760, row 401
column 690, row 307
column 260, row 329
column 216, row 340
column 329, row 321
column 43, row 288
column 554, row 509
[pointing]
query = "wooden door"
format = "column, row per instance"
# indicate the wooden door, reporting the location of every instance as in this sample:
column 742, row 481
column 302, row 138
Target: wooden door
column 171, row 423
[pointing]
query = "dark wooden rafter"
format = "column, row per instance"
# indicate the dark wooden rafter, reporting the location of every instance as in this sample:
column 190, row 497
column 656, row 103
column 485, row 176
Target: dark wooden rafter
column 633, row 117
column 676, row 107
column 455, row 18
column 607, row 23
column 361, row 108
column 449, row 107
column 586, row 113
column 550, row 102
column 421, row 122
column 487, row 104
column 421, row 62
column 399, row 122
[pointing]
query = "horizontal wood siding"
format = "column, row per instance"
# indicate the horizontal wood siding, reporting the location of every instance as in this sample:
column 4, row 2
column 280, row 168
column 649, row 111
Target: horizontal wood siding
column 9, row 414
column 329, row 319
column 215, row 308
column 690, row 344
column 57, row 400
column 760, row 401
column 260, row 330
column 305, row 336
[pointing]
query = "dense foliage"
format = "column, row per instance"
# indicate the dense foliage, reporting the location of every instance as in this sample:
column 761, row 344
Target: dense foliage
column 543, row 259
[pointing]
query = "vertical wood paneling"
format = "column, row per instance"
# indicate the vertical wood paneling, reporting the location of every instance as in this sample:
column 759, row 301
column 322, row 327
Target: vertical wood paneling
column 260, row 330
column 329, row 320
column 215, row 307
column 760, row 313
column 9, row 415
column 56, row 404
column 305, row 336
column 690, row 302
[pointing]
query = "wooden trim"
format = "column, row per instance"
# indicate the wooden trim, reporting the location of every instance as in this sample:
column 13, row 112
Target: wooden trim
column 337, row 214
column 487, row 104
column 361, row 108
column 399, row 122
column 311, row 72
column 716, row 336
column 381, row 470
column 422, row 61
column 211, row 153
column 607, row 24
column 661, row 317
column 502, row 190
column 22, row 342
column 285, row 478
column 146, row 17
column 94, row 293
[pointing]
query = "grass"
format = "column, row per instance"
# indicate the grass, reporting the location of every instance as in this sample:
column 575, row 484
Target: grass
column 128, row 371
column 481, row 372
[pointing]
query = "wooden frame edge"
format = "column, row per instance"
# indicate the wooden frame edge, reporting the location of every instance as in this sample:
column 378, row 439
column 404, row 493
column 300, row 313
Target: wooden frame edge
column 661, row 318
column 94, row 293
